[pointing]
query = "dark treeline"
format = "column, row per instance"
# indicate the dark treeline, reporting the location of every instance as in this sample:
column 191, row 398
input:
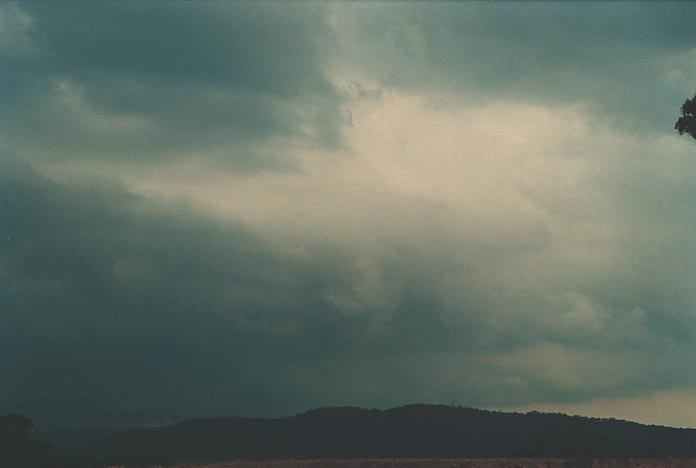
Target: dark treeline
column 416, row 431
column 17, row 445
column 20, row 449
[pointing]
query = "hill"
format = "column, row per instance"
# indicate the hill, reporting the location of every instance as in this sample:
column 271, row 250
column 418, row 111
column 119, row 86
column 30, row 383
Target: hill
column 415, row 431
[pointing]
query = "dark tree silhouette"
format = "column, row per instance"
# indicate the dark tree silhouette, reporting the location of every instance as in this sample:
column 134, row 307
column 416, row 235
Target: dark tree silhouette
column 414, row 431
column 687, row 121
column 17, row 447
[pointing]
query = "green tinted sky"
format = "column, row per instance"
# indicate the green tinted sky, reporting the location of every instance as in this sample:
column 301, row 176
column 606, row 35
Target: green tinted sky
column 259, row 208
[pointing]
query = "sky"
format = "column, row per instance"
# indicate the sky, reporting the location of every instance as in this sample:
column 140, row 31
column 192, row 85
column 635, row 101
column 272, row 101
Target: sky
column 229, row 208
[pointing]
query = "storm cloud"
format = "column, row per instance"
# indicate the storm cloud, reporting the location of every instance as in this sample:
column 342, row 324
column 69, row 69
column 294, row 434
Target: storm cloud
column 259, row 208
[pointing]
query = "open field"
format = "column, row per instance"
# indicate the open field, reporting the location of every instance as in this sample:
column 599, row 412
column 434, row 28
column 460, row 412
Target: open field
column 457, row 463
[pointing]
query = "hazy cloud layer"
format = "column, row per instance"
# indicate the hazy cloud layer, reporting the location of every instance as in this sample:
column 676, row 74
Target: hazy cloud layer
column 259, row 208
column 143, row 81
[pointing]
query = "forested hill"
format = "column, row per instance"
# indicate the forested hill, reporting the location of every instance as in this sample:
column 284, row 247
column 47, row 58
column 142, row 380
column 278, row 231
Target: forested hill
column 418, row 431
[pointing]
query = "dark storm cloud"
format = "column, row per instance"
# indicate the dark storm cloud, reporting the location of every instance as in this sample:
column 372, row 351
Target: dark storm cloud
column 136, row 81
column 481, row 270
column 624, row 59
column 128, row 305
column 139, row 81
column 122, row 309
column 119, row 308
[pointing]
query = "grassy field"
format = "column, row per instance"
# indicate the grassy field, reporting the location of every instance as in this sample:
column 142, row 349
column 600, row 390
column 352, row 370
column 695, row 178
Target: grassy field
column 456, row 463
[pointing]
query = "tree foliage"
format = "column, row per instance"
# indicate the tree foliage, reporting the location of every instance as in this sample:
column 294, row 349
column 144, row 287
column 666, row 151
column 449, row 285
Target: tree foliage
column 17, row 447
column 687, row 121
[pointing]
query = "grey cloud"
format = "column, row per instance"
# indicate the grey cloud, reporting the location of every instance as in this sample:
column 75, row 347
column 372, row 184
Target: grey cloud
column 263, row 48
column 136, row 81
column 122, row 307
column 116, row 306
column 125, row 309
column 616, row 57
